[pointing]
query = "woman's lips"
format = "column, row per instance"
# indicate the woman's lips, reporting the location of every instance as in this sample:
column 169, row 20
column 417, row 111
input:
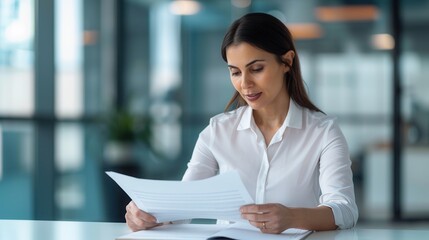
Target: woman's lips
column 253, row 97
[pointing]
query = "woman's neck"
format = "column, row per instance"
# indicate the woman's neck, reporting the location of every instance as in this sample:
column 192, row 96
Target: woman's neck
column 272, row 116
column 269, row 120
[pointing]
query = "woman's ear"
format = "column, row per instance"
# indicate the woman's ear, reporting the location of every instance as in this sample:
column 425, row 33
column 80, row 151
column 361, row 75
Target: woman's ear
column 288, row 57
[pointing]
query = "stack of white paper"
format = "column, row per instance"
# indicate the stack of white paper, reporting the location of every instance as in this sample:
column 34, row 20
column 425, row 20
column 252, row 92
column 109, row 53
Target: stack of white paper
column 218, row 197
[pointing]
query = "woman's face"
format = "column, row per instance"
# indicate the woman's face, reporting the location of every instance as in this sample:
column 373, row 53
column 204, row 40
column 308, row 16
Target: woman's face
column 258, row 76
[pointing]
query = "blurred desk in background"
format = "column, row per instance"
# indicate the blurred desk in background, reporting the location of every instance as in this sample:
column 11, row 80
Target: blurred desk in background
column 63, row 230
column 378, row 184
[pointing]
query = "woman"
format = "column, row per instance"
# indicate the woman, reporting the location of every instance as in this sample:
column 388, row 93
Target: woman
column 292, row 158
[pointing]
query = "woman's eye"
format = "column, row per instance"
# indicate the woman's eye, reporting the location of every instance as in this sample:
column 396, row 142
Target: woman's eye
column 235, row 73
column 258, row 69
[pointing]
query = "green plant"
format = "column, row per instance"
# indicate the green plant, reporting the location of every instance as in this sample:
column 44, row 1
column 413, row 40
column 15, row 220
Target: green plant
column 123, row 126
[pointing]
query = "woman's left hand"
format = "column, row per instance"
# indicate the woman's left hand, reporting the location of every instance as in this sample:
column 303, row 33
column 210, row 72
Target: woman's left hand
column 269, row 218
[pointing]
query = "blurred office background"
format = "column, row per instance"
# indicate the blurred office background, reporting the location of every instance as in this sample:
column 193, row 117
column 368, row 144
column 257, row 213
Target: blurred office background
column 127, row 85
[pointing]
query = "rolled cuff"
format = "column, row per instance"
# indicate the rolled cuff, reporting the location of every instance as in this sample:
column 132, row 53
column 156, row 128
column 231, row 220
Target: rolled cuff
column 345, row 216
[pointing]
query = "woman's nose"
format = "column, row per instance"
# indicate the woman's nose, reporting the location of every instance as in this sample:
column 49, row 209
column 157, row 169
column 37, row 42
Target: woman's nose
column 246, row 81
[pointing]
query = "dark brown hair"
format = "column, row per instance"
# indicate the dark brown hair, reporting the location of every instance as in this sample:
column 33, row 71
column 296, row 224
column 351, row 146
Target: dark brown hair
column 269, row 34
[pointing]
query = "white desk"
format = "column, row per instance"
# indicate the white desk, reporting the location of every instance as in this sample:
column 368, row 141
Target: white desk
column 62, row 230
column 369, row 234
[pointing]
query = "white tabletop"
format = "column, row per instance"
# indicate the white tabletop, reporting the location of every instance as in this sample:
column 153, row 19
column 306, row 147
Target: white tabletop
column 60, row 230
column 63, row 230
column 367, row 234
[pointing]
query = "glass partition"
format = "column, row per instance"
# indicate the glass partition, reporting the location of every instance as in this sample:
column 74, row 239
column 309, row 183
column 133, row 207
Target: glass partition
column 16, row 170
column 16, row 57
column 16, row 101
column 415, row 109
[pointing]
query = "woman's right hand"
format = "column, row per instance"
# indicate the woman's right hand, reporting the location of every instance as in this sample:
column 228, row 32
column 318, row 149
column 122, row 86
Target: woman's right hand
column 138, row 219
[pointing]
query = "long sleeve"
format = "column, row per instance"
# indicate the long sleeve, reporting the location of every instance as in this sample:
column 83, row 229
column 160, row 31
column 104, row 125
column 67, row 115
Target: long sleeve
column 336, row 178
column 202, row 164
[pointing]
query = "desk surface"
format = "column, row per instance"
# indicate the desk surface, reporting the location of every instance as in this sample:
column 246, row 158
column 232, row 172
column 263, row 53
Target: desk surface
column 53, row 230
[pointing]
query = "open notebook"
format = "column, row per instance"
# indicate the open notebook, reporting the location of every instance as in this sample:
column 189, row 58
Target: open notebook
column 239, row 231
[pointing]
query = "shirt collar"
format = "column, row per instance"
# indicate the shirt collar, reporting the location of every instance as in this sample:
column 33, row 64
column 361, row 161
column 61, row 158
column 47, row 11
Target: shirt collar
column 293, row 118
column 246, row 119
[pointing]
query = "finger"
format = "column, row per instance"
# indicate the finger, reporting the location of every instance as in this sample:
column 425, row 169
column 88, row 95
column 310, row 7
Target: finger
column 136, row 224
column 134, row 210
column 137, row 219
column 135, row 227
column 268, row 227
column 271, row 230
column 131, row 205
column 129, row 218
column 255, row 208
column 131, row 224
column 263, row 227
column 145, row 216
column 256, row 217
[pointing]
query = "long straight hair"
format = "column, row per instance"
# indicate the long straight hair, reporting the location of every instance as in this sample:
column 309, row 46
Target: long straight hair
column 269, row 34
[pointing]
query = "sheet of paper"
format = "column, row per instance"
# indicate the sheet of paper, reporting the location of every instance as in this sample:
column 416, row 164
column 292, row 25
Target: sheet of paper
column 176, row 232
column 243, row 230
column 218, row 197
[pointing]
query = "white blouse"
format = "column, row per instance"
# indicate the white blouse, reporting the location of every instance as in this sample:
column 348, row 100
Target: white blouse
column 306, row 164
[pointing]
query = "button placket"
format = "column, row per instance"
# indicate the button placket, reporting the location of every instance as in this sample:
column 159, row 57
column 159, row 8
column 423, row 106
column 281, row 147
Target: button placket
column 262, row 176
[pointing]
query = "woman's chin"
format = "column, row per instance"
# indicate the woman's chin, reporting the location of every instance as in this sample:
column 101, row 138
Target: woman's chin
column 254, row 106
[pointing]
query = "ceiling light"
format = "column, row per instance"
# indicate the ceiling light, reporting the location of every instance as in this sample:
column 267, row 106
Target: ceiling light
column 383, row 41
column 347, row 13
column 185, row 7
column 301, row 31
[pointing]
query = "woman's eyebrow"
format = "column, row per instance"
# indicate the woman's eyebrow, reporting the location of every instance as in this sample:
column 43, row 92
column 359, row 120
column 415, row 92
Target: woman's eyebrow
column 250, row 63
